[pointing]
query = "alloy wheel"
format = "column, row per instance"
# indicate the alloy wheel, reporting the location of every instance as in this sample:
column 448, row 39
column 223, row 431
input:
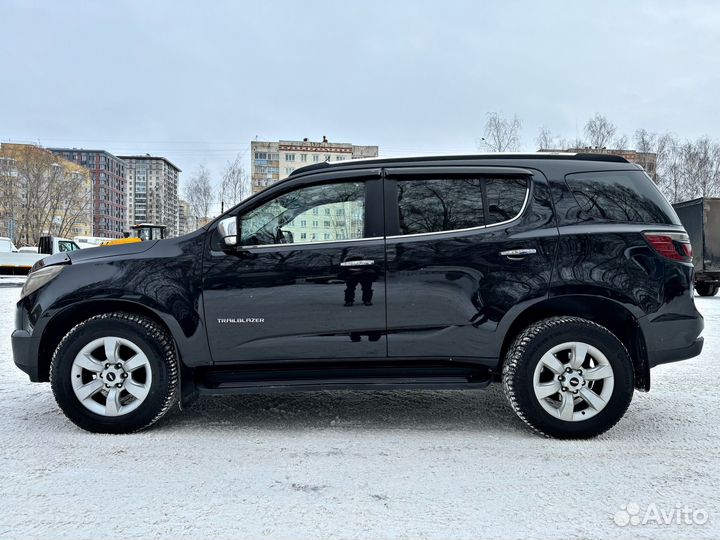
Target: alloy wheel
column 573, row 381
column 111, row 376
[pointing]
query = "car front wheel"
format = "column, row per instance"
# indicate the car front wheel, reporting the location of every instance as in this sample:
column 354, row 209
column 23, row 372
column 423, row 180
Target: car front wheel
column 568, row 377
column 115, row 373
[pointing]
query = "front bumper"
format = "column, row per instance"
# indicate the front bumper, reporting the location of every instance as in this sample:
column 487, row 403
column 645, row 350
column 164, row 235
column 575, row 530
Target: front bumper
column 25, row 353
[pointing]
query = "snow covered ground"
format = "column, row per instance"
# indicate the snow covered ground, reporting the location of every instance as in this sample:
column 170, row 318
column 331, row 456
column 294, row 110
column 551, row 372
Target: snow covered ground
column 361, row 465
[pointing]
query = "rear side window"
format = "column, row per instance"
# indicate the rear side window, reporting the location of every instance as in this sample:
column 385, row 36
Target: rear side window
column 434, row 205
column 428, row 205
column 620, row 196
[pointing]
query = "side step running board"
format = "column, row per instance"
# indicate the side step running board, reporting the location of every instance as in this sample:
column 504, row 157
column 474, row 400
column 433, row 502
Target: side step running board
column 243, row 381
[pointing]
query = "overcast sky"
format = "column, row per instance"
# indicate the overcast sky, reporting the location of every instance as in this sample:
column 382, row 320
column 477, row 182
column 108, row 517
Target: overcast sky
column 196, row 81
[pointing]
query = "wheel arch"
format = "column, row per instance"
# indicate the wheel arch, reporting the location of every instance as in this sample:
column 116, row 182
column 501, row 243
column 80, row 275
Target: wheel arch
column 63, row 321
column 603, row 311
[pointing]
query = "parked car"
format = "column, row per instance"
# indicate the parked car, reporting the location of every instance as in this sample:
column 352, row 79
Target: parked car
column 566, row 277
column 701, row 219
column 14, row 262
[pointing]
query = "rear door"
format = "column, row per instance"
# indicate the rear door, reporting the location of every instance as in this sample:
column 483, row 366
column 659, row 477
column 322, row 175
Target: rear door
column 465, row 246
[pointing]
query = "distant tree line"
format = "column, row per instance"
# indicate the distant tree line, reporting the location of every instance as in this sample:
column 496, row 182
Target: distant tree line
column 685, row 168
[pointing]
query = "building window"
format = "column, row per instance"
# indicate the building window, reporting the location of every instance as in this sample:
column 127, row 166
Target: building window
column 303, row 157
column 303, row 223
column 316, row 158
column 289, row 157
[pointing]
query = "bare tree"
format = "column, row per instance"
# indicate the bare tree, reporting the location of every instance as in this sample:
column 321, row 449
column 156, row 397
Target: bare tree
column 671, row 178
column 235, row 183
column 200, row 193
column 501, row 134
column 599, row 131
column 74, row 201
column 10, row 197
column 701, row 168
column 42, row 193
column 545, row 139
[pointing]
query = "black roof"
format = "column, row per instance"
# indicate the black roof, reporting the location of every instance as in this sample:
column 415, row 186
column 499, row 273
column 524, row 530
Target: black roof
column 608, row 158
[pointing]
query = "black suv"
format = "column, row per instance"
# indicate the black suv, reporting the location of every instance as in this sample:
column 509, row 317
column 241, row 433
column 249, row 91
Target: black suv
column 565, row 276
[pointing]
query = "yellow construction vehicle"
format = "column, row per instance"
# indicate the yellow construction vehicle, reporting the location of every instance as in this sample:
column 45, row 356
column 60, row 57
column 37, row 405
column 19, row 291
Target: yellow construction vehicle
column 139, row 233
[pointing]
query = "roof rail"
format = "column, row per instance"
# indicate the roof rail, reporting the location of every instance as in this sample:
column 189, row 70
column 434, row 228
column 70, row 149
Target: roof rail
column 565, row 156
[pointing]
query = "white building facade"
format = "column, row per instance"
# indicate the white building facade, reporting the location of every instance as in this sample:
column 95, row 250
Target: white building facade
column 273, row 161
column 152, row 192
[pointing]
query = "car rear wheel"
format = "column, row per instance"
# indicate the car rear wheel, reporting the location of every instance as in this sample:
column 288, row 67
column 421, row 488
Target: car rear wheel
column 706, row 289
column 115, row 373
column 568, row 377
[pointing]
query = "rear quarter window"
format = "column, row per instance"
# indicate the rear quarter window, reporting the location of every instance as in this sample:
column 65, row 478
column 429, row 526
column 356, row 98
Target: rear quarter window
column 620, row 196
column 505, row 198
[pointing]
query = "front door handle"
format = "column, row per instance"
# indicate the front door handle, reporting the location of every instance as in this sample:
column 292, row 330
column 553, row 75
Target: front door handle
column 518, row 254
column 357, row 263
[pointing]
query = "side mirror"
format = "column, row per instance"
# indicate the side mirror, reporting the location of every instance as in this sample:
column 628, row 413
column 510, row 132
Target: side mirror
column 227, row 228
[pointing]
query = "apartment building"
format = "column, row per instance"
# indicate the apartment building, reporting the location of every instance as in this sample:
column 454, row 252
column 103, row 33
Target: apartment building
column 273, row 161
column 107, row 174
column 152, row 192
column 186, row 221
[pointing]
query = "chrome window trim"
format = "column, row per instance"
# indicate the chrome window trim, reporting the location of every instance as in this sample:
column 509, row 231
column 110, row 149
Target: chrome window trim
column 346, row 241
column 478, row 228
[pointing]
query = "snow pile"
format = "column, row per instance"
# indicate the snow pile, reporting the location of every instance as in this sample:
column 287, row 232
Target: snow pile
column 360, row 465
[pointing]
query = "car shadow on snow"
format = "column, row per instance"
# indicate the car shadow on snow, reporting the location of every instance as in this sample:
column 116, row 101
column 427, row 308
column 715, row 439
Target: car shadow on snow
column 484, row 410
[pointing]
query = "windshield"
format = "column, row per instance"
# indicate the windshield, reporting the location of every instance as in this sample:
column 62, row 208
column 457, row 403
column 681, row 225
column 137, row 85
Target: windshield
column 6, row 246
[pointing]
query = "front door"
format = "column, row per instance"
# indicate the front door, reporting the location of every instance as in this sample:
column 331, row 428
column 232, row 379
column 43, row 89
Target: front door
column 308, row 278
column 464, row 247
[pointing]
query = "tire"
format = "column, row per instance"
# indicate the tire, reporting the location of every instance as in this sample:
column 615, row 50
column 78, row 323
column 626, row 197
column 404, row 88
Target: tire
column 526, row 375
column 124, row 368
column 706, row 289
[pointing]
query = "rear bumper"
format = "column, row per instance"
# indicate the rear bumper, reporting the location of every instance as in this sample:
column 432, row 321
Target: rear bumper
column 672, row 337
column 674, row 355
column 25, row 353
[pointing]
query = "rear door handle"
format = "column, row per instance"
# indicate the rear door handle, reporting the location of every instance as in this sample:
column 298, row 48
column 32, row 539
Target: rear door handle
column 518, row 254
column 357, row 263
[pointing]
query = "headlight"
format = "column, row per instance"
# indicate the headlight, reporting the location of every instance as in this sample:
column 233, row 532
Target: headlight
column 37, row 279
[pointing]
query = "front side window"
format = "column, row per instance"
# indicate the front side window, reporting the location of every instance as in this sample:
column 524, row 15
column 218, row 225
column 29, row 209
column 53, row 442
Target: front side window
column 284, row 219
column 439, row 204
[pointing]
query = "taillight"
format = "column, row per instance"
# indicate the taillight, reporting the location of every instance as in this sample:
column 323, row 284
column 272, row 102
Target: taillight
column 672, row 245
